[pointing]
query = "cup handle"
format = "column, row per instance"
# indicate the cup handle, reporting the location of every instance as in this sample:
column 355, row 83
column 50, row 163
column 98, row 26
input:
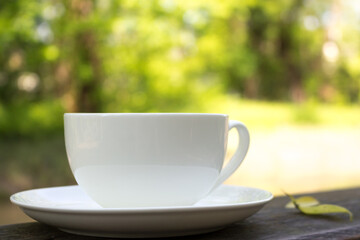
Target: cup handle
column 239, row 155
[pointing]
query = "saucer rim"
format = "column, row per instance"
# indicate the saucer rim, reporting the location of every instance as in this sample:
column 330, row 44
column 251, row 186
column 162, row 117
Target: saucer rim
column 142, row 210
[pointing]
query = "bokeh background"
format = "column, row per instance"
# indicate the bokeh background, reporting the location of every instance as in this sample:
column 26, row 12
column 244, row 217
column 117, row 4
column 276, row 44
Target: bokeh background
column 289, row 69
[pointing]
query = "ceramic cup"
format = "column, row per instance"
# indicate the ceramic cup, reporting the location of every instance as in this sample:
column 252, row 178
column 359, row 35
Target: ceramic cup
column 127, row 160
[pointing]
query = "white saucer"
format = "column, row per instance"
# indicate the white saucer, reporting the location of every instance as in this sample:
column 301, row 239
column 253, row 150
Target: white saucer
column 71, row 210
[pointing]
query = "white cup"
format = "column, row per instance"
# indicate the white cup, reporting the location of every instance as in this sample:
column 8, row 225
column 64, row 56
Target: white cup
column 126, row 160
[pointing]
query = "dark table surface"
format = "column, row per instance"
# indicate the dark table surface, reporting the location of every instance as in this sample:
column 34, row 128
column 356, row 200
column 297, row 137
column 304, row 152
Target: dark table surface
column 272, row 222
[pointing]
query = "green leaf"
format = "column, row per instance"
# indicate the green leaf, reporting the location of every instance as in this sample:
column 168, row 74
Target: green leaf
column 311, row 206
column 324, row 209
column 303, row 202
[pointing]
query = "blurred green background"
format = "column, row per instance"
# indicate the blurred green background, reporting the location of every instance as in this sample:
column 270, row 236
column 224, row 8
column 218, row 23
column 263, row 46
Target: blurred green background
column 290, row 70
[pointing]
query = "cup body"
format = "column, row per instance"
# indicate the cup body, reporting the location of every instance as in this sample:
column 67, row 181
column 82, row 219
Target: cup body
column 125, row 160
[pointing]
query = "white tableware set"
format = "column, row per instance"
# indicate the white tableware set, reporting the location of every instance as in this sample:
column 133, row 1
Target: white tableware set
column 146, row 175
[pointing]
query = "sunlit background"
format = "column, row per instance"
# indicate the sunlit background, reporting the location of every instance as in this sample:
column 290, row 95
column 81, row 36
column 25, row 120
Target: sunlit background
column 290, row 70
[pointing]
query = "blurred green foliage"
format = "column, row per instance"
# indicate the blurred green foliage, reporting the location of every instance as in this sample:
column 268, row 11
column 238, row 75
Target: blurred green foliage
column 28, row 163
column 267, row 63
column 170, row 56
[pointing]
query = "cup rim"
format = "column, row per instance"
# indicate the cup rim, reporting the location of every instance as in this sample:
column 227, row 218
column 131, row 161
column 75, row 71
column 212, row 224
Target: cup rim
column 145, row 114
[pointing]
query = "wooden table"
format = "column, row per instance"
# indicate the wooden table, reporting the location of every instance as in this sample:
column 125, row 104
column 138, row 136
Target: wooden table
column 272, row 222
